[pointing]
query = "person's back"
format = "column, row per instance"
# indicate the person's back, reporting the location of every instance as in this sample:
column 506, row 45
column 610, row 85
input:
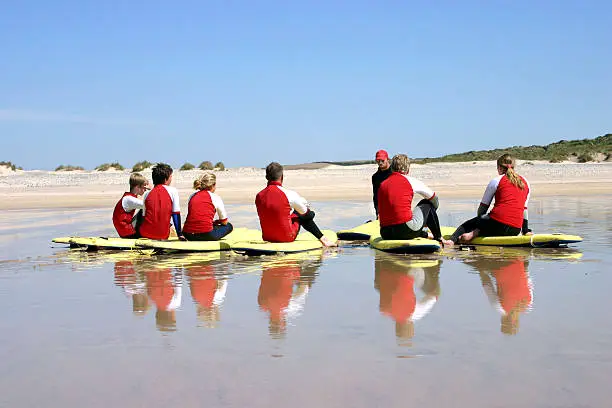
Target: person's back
column 395, row 200
column 274, row 211
column 203, row 206
column 124, row 219
column 510, row 201
column 282, row 211
column 161, row 205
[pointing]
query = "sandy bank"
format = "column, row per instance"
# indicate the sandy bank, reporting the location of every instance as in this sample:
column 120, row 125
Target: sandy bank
column 81, row 189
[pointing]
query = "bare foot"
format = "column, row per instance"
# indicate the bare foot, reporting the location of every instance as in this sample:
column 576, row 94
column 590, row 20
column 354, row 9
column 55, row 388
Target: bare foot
column 326, row 242
column 467, row 237
column 448, row 243
column 429, row 235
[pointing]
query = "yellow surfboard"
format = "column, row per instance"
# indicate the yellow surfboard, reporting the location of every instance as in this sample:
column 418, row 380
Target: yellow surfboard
column 405, row 246
column 549, row 240
column 362, row 232
column 92, row 243
column 304, row 242
column 238, row 234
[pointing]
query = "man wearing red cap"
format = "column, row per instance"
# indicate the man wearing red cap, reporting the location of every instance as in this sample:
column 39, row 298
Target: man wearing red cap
column 384, row 171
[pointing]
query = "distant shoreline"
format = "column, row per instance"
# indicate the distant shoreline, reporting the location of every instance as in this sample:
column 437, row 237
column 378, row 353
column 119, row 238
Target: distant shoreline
column 35, row 189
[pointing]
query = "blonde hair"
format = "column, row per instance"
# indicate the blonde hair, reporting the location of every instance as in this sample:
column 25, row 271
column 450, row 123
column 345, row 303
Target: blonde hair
column 507, row 162
column 400, row 163
column 205, row 182
column 137, row 180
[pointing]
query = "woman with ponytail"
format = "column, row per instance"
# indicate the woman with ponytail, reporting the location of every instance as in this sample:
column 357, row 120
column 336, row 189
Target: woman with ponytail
column 509, row 214
column 203, row 206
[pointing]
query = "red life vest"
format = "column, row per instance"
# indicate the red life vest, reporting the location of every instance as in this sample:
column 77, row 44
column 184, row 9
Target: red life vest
column 122, row 220
column 201, row 212
column 509, row 203
column 275, row 218
column 158, row 212
column 395, row 200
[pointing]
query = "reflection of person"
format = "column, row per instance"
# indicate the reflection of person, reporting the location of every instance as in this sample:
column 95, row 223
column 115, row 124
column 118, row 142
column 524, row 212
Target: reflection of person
column 164, row 288
column 208, row 292
column 397, row 280
column 383, row 171
column 131, row 283
column 507, row 284
column 509, row 214
column 283, row 290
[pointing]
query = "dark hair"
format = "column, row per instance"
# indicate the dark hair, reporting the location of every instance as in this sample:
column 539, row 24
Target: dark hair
column 274, row 171
column 161, row 173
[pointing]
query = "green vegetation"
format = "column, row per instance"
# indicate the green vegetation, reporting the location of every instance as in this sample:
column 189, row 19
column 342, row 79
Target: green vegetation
column 206, row 165
column 10, row 165
column 187, row 166
column 68, row 167
column 220, row 166
column 140, row 166
column 107, row 166
column 583, row 151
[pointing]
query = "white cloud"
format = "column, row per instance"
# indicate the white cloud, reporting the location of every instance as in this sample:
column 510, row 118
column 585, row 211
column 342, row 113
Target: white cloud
column 20, row 115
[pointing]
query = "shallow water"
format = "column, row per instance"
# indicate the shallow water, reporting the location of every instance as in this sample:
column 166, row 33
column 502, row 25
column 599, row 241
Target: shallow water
column 352, row 327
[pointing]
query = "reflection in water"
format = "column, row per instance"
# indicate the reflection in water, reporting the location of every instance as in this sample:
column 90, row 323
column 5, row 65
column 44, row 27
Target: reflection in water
column 285, row 283
column 133, row 285
column 396, row 278
column 165, row 289
column 208, row 285
column 507, row 284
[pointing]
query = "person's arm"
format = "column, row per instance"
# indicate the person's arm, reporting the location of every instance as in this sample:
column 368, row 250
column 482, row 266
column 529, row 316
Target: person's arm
column 525, row 228
column 220, row 208
column 130, row 203
column 176, row 211
column 297, row 202
column 375, row 186
column 488, row 196
column 423, row 190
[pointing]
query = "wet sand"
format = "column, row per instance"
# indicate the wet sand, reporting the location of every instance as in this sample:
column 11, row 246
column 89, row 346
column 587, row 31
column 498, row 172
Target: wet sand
column 351, row 327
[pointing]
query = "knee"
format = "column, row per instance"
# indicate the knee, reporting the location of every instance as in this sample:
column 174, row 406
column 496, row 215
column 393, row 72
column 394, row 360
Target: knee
column 307, row 216
column 229, row 226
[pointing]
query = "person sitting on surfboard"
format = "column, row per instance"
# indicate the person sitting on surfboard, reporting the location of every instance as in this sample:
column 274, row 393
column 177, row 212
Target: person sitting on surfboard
column 509, row 214
column 124, row 218
column 282, row 211
column 203, row 206
column 397, row 219
column 161, row 204
column 384, row 171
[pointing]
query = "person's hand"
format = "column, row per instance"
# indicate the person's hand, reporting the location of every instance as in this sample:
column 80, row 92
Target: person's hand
column 528, row 233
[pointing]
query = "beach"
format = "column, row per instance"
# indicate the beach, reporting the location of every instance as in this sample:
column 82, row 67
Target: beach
column 37, row 189
column 349, row 326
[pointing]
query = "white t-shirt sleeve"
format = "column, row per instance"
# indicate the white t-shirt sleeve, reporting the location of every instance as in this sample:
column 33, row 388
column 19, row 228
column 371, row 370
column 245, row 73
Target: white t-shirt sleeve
column 297, row 202
column 489, row 193
column 130, row 203
column 174, row 196
column 219, row 207
column 420, row 188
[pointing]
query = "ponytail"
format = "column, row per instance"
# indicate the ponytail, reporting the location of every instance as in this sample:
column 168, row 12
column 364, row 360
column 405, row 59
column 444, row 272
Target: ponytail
column 507, row 162
column 205, row 182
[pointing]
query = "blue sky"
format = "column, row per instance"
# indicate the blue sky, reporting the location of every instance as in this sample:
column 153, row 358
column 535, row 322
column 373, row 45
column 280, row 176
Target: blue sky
column 248, row 82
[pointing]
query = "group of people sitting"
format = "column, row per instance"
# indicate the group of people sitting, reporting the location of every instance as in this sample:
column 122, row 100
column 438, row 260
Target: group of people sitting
column 282, row 212
column 394, row 191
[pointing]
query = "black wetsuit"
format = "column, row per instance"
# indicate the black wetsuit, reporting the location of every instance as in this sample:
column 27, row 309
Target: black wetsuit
column 377, row 179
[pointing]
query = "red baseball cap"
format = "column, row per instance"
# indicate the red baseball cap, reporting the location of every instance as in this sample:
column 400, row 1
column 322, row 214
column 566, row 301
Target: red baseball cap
column 382, row 155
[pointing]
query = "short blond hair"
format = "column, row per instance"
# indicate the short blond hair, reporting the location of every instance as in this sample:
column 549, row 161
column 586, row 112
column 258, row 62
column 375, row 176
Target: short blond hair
column 400, row 163
column 205, row 182
column 137, row 180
